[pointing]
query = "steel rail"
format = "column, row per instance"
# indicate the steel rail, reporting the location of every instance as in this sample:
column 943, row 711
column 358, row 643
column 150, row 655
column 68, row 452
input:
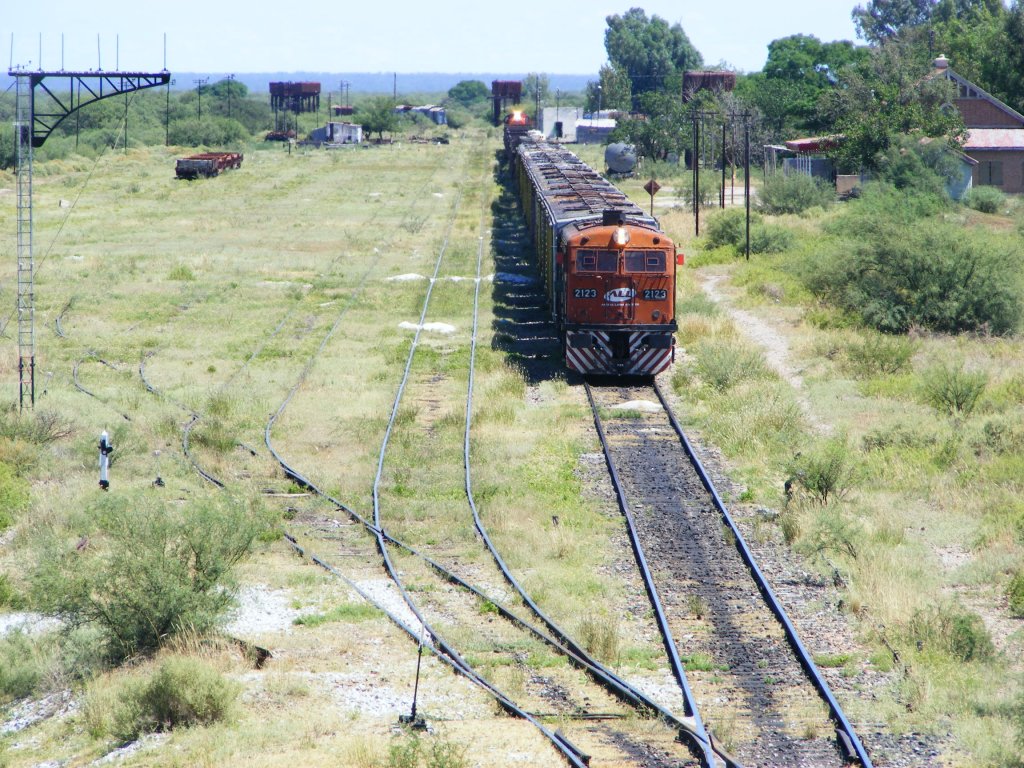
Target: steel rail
column 689, row 703
column 571, row 753
column 606, row 677
column 80, row 388
column 846, row 736
column 568, row 750
column 57, row 320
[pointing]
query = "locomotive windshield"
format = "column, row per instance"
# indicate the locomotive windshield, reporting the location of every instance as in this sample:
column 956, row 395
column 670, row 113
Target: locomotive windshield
column 594, row 260
column 645, row 261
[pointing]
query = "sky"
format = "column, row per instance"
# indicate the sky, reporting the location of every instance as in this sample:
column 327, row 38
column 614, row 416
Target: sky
column 236, row 36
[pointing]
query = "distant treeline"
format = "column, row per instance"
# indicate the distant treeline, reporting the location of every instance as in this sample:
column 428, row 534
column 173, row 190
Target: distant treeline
column 359, row 82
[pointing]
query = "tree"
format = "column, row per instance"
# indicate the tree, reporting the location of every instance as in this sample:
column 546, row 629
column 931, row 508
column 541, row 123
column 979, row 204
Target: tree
column 663, row 128
column 610, row 91
column 1009, row 76
column 799, row 70
column 891, row 93
column 649, row 51
column 973, row 35
column 467, row 92
column 882, row 20
column 535, row 87
column 378, row 116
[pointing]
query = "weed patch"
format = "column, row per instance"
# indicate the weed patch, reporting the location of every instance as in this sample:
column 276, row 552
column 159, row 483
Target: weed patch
column 146, row 570
column 951, row 389
column 349, row 612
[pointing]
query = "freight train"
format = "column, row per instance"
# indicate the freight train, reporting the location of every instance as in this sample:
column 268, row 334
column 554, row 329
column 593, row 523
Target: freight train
column 609, row 272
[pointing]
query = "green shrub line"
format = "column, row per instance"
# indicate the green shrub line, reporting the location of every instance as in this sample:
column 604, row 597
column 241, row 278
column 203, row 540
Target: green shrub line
column 894, row 263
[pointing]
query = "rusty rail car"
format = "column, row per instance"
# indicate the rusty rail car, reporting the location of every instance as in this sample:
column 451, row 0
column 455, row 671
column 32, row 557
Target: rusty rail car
column 206, row 164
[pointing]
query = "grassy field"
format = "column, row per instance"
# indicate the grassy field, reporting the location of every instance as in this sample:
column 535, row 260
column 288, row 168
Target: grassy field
column 224, row 290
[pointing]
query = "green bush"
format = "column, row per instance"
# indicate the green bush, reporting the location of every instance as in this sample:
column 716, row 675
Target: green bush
column 21, row 669
column 14, row 495
column 182, row 273
column 913, row 165
column 952, row 390
column 1015, row 594
column 40, row 427
column 985, row 199
column 894, row 267
column 149, row 570
column 793, row 193
column 219, row 132
column 767, row 238
column 729, row 227
column 722, row 365
column 875, row 354
column 826, row 472
column 183, row 692
column 952, row 631
column 710, row 189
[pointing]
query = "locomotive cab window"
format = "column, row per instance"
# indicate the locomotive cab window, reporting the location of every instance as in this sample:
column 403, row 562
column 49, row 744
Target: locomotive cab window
column 645, row 261
column 593, row 260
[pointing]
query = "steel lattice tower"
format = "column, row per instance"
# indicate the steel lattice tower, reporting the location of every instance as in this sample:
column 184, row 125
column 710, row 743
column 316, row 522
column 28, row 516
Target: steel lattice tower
column 33, row 124
column 26, row 265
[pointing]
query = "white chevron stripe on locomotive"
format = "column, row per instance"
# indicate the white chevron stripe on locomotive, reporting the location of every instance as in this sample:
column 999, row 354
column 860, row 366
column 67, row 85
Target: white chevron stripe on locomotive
column 598, row 358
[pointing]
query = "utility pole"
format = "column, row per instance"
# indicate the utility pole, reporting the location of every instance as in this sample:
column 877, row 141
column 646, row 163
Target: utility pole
column 231, row 80
column 746, row 173
column 200, row 82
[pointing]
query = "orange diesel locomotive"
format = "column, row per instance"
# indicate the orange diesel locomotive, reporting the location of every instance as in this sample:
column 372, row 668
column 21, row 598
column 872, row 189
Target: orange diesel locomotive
column 608, row 270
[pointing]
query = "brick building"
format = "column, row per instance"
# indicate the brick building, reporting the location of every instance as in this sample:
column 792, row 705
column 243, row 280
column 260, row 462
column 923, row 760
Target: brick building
column 995, row 133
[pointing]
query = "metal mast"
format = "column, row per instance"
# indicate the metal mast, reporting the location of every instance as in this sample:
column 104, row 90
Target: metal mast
column 33, row 124
column 26, row 265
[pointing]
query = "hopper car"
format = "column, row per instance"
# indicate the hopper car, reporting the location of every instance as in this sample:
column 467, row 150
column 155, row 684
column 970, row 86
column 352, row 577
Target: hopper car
column 609, row 271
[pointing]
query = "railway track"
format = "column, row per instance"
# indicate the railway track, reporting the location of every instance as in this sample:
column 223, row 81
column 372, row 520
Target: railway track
column 446, row 600
column 752, row 679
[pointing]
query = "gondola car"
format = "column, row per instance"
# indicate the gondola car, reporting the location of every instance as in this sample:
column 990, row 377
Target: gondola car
column 608, row 270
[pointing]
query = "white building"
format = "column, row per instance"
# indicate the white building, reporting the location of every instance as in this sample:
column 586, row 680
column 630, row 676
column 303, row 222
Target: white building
column 559, row 122
column 338, row 133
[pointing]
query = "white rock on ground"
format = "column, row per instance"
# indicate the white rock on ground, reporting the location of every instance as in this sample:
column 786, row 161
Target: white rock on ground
column 260, row 610
column 32, row 623
column 436, row 327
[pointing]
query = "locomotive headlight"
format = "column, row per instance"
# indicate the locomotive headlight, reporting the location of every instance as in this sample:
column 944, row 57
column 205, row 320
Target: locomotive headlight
column 621, row 236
